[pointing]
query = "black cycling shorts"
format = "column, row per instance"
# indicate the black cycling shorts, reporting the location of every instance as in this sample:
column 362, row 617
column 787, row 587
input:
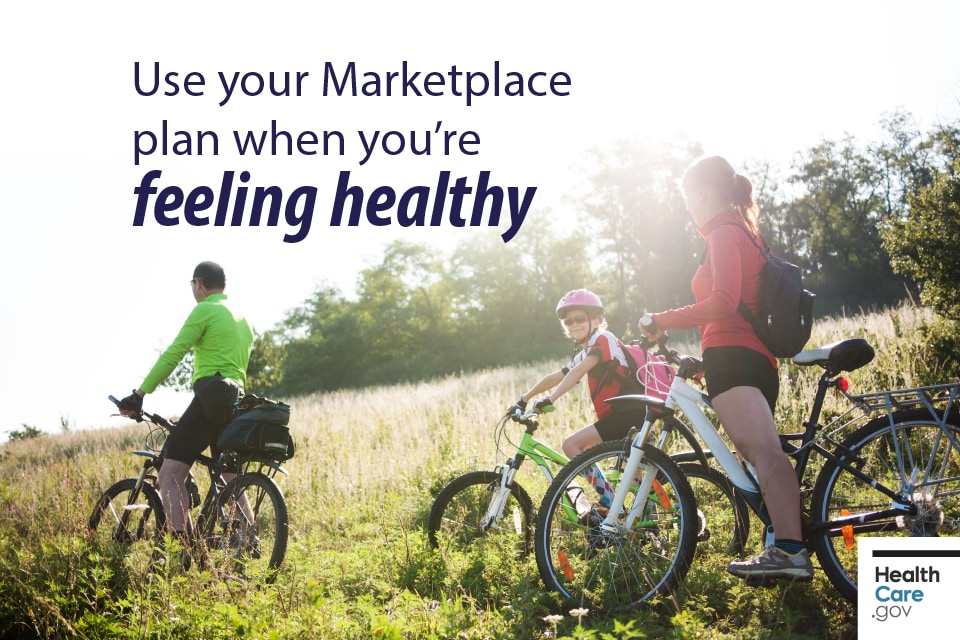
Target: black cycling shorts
column 727, row 367
column 199, row 427
column 615, row 426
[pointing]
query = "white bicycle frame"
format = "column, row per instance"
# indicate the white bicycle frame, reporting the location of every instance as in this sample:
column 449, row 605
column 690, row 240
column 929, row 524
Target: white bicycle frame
column 688, row 400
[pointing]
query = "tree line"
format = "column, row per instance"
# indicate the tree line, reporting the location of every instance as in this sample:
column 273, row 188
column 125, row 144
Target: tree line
column 870, row 224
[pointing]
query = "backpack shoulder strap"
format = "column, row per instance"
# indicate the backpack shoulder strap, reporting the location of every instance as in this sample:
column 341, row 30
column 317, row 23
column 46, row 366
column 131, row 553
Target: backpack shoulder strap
column 742, row 308
column 763, row 249
column 612, row 370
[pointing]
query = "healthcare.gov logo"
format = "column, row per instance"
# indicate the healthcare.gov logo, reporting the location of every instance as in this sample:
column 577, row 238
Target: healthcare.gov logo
column 906, row 586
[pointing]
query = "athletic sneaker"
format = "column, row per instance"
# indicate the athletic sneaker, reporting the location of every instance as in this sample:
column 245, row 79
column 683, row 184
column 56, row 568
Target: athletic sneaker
column 775, row 563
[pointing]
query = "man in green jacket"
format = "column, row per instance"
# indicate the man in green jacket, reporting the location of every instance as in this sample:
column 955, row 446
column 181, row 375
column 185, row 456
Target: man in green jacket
column 221, row 340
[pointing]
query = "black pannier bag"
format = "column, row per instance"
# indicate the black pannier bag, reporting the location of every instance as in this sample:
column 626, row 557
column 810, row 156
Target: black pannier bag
column 259, row 428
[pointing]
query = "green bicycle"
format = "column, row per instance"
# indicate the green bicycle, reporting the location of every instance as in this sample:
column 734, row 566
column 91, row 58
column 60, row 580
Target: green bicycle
column 492, row 504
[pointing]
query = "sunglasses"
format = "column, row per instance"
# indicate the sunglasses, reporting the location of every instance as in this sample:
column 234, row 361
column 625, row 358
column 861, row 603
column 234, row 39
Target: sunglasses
column 572, row 320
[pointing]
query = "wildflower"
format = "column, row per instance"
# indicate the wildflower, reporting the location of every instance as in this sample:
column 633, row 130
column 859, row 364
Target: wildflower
column 579, row 613
column 554, row 619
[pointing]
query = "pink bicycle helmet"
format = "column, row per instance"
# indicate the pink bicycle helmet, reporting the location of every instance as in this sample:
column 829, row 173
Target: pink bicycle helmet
column 579, row 299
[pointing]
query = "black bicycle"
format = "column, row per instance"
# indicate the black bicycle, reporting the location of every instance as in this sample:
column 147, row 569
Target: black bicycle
column 240, row 530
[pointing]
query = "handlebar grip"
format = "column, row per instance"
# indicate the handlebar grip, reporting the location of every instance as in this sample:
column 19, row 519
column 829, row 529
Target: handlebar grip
column 646, row 321
column 114, row 400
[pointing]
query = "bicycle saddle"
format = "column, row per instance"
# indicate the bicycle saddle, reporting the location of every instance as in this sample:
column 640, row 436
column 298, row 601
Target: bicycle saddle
column 846, row 355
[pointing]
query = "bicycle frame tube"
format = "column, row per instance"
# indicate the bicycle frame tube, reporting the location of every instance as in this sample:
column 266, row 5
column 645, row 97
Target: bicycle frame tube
column 541, row 454
column 688, row 400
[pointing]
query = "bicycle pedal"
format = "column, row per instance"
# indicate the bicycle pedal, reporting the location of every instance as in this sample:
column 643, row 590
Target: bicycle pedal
column 760, row 581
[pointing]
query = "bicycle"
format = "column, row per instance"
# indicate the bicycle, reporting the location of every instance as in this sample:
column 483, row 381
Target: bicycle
column 241, row 527
column 473, row 505
column 896, row 474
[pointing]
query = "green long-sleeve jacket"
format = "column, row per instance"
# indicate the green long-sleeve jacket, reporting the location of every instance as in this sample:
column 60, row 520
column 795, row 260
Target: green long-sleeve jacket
column 221, row 341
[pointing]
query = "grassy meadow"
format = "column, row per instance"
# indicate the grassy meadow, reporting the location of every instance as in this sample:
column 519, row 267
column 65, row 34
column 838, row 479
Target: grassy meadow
column 368, row 465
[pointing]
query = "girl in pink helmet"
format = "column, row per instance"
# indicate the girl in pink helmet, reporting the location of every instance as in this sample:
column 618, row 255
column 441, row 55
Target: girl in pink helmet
column 601, row 358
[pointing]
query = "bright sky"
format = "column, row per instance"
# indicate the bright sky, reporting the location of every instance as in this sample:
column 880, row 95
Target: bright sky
column 89, row 299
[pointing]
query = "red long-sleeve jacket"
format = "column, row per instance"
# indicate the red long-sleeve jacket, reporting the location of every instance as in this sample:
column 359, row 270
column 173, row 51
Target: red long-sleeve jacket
column 730, row 273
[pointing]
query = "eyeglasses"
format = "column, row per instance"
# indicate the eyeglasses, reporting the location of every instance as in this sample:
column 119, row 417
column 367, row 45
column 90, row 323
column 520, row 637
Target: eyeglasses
column 572, row 320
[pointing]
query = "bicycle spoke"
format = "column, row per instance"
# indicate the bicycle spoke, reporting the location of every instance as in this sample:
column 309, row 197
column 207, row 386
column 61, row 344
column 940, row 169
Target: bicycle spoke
column 609, row 569
column 128, row 519
column 246, row 534
column 460, row 515
column 914, row 456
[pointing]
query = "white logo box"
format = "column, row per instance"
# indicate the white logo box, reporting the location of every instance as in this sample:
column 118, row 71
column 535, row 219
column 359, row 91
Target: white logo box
column 906, row 586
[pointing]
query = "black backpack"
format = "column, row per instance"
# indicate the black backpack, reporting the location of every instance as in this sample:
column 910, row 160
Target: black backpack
column 786, row 308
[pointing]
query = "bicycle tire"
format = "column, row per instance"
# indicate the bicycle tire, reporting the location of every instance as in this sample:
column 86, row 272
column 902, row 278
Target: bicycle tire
column 126, row 515
column 871, row 446
column 721, row 510
column 612, row 571
column 232, row 546
column 456, row 517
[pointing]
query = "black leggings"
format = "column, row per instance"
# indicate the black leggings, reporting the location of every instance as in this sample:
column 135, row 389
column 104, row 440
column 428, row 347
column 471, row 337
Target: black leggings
column 727, row 367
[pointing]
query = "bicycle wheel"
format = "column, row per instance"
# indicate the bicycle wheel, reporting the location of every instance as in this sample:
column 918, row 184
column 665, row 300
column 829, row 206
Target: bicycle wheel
column 910, row 453
column 459, row 514
column 246, row 534
column 723, row 514
column 603, row 570
column 128, row 517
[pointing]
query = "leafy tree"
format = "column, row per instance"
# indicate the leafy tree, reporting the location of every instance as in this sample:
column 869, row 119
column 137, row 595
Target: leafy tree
column 504, row 295
column 646, row 241
column 26, row 433
column 321, row 340
column 926, row 245
column 180, row 378
column 840, row 208
column 265, row 369
column 905, row 160
column 402, row 315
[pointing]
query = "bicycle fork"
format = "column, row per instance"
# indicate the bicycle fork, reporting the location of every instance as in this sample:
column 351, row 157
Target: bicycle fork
column 148, row 464
column 498, row 499
column 633, row 466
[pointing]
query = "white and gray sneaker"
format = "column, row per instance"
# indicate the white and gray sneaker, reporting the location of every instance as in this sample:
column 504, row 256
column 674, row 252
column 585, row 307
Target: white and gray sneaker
column 775, row 563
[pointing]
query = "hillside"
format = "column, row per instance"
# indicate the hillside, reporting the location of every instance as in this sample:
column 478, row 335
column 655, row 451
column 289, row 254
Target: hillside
column 367, row 467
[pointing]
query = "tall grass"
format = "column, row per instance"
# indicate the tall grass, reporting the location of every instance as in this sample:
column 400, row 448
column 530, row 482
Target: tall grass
column 367, row 467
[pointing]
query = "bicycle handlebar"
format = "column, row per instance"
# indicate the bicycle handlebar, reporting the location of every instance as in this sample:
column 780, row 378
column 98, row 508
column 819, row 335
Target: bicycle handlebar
column 522, row 416
column 144, row 416
column 687, row 366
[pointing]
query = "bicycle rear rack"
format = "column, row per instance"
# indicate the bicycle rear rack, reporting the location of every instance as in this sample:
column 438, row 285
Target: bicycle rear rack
column 932, row 397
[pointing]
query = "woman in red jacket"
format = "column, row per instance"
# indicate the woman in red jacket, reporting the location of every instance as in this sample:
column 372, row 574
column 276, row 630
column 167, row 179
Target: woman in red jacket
column 740, row 372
